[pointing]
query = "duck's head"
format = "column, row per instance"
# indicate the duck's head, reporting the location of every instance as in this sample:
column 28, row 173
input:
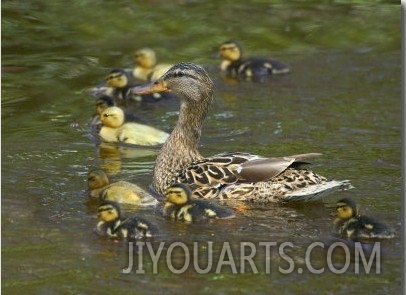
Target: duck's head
column 188, row 81
column 230, row 50
column 108, row 211
column 178, row 194
column 97, row 179
column 145, row 58
column 103, row 103
column 346, row 209
column 117, row 78
column 112, row 117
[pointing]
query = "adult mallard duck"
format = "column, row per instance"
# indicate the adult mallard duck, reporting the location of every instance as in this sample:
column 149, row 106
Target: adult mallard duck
column 235, row 65
column 238, row 176
column 114, row 129
column 180, row 206
column 351, row 225
column 112, row 224
column 146, row 67
column 121, row 191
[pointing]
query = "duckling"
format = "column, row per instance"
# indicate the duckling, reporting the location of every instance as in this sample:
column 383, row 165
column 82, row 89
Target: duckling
column 146, row 67
column 234, row 176
column 235, row 65
column 180, row 206
column 105, row 101
column 121, row 80
column 350, row 224
column 121, row 191
column 115, row 130
column 112, row 224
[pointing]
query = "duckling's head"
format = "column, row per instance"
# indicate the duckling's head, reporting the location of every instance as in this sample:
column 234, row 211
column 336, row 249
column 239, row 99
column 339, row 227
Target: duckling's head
column 97, row 179
column 112, row 117
column 230, row 50
column 117, row 78
column 108, row 211
column 103, row 103
column 188, row 81
column 178, row 194
column 346, row 209
column 145, row 58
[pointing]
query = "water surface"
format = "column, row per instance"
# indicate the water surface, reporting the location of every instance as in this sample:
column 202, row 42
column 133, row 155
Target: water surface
column 342, row 99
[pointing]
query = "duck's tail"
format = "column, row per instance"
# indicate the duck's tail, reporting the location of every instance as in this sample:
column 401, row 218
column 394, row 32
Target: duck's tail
column 317, row 191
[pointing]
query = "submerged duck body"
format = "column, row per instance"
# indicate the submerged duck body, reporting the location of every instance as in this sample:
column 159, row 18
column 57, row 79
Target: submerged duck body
column 146, row 67
column 236, row 176
column 235, row 65
column 112, row 224
column 121, row 191
column 351, row 225
column 114, row 129
column 180, row 206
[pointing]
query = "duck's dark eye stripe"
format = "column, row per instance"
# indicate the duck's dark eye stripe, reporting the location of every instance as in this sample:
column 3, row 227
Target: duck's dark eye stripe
column 183, row 74
column 102, row 209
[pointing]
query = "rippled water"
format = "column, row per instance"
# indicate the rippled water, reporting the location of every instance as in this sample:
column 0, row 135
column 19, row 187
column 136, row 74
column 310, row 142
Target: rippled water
column 342, row 98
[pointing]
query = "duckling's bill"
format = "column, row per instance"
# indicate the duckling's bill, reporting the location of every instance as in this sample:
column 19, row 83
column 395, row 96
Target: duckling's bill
column 154, row 87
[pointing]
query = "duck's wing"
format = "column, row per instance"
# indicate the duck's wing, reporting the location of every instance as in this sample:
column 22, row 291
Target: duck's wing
column 228, row 168
column 263, row 169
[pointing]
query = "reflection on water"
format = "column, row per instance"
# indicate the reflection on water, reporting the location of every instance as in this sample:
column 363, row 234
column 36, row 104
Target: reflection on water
column 341, row 99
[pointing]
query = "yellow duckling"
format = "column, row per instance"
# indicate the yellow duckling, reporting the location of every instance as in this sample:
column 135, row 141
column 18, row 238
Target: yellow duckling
column 180, row 206
column 105, row 101
column 111, row 223
column 146, row 67
column 235, row 65
column 115, row 130
column 349, row 224
column 121, row 191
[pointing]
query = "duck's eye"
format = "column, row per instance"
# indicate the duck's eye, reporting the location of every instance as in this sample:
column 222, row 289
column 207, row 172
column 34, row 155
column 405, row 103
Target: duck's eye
column 179, row 74
column 105, row 115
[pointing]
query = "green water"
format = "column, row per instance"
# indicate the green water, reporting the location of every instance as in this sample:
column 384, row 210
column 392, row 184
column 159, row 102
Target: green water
column 342, row 99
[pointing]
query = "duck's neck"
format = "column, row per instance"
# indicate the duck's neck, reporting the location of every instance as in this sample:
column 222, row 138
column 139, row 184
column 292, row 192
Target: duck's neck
column 181, row 148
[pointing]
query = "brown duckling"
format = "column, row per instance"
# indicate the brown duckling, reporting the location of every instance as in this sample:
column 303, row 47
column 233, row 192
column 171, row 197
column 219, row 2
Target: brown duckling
column 180, row 206
column 231, row 175
column 121, row 191
column 235, row 65
column 351, row 225
column 112, row 224
column 114, row 129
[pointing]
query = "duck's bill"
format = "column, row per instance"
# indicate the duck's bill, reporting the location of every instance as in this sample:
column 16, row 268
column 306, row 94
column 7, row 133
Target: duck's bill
column 154, row 87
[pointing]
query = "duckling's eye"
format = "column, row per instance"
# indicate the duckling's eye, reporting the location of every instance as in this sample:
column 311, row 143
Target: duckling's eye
column 105, row 115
